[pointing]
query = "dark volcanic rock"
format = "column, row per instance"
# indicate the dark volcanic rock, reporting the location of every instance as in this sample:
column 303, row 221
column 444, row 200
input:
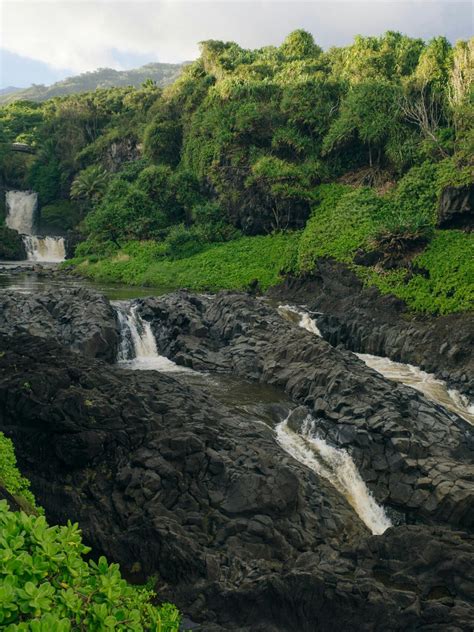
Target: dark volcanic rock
column 12, row 247
column 413, row 454
column 78, row 318
column 165, row 481
column 365, row 321
column 456, row 207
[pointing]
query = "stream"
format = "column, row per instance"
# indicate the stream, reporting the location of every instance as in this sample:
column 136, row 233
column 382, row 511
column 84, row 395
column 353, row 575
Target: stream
column 258, row 402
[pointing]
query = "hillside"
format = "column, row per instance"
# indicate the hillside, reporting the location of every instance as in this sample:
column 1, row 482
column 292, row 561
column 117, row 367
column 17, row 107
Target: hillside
column 162, row 74
column 258, row 163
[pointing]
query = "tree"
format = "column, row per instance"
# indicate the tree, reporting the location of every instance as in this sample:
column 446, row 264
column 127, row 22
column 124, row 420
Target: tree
column 90, row 184
column 300, row 44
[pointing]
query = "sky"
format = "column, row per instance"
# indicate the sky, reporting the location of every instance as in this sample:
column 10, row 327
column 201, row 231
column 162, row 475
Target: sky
column 45, row 41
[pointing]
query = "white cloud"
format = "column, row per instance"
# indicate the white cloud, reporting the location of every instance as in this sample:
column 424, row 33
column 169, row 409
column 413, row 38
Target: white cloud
column 83, row 35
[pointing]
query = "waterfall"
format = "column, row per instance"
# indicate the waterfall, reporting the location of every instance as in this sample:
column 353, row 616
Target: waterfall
column 22, row 211
column 406, row 374
column 22, row 207
column 337, row 466
column 137, row 348
column 46, row 249
column 299, row 317
column 426, row 383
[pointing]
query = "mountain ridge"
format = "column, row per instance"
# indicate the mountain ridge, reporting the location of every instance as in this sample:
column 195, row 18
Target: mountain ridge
column 162, row 73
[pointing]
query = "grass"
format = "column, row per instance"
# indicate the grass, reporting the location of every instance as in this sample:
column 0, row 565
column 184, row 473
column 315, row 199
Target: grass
column 231, row 265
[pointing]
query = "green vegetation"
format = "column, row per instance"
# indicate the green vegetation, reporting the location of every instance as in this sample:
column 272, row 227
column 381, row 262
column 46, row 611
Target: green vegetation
column 10, row 477
column 46, row 585
column 447, row 285
column 236, row 264
column 351, row 147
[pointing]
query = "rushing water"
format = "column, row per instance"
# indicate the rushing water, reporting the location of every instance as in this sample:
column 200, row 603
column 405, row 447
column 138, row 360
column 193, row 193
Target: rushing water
column 337, row 466
column 22, row 212
column 22, row 208
column 138, row 348
column 299, row 317
column 433, row 388
column 47, row 249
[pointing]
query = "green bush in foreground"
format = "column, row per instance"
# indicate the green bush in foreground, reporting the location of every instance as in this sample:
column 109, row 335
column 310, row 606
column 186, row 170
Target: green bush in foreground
column 47, row 586
column 10, row 477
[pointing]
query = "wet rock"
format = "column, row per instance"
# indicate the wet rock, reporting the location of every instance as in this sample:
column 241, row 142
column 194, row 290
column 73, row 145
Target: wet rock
column 78, row 318
column 167, row 481
column 363, row 320
column 395, row 435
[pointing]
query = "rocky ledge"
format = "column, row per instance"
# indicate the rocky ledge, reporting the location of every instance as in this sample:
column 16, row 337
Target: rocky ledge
column 363, row 320
column 78, row 318
column 414, row 455
column 167, row 481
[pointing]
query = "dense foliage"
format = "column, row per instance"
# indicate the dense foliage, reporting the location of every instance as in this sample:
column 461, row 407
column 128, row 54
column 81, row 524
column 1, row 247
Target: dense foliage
column 46, row 585
column 252, row 142
column 10, row 478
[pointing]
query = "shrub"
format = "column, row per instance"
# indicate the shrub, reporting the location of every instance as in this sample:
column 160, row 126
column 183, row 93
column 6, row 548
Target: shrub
column 11, row 245
column 342, row 222
column 46, row 585
column 10, row 477
column 447, row 286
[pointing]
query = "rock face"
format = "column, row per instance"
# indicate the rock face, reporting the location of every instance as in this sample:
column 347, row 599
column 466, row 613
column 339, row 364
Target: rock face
column 363, row 320
column 12, row 247
column 165, row 480
column 414, row 455
column 78, row 318
column 456, row 207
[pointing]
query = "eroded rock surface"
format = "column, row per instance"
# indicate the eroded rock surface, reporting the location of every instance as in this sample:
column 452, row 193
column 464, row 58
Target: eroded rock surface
column 365, row 321
column 78, row 318
column 165, row 481
column 413, row 454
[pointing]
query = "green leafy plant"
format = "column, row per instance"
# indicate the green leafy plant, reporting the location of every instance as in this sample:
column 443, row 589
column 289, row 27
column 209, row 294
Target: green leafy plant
column 10, row 477
column 47, row 585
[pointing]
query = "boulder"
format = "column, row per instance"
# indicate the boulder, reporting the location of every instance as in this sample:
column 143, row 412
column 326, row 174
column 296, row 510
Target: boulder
column 77, row 317
column 456, row 207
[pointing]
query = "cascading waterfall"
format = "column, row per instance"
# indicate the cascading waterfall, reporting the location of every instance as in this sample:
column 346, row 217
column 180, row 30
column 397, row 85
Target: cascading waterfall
column 46, row 249
column 426, row 383
column 22, row 210
column 137, row 348
column 300, row 317
column 407, row 374
column 337, row 466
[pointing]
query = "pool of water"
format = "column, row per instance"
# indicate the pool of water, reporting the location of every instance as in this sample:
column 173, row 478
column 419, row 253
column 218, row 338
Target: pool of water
column 23, row 277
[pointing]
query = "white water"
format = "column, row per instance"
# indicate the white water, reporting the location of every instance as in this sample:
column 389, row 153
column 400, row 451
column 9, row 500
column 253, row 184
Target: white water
column 433, row 388
column 138, row 348
column 22, row 207
column 426, row 383
column 46, row 249
column 301, row 318
column 337, row 466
